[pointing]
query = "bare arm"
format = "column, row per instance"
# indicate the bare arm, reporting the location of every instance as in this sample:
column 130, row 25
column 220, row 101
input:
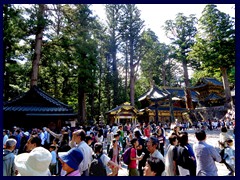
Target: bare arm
column 114, row 168
column 58, row 136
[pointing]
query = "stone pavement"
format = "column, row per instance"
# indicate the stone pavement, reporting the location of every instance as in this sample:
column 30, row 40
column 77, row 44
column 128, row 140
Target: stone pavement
column 212, row 138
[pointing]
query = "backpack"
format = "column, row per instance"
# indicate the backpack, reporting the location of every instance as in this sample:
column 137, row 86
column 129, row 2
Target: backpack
column 96, row 167
column 126, row 156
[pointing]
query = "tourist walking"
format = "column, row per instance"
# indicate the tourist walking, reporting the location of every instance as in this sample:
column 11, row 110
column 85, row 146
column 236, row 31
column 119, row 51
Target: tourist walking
column 171, row 156
column 185, row 162
column 53, row 164
column 132, row 167
column 206, row 155
column 78, row 140
column 8, row 157
column 141, row 150
column 229, row 154
column 106, row 161
column 223, row 136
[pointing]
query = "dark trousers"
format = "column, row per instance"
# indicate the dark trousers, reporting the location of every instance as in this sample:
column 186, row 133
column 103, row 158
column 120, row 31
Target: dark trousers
column 161, row 148
column 52, row 168
column 85, row 173
column 141, row 165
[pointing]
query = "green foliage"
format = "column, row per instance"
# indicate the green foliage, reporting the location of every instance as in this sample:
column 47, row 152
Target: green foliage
column 155, row 62
column 82, row 56
column 181, row 31
column 215, row 44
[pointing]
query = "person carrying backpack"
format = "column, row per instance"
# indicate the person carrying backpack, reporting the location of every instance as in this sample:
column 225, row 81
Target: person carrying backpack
column 132, row 166
column 100, row 162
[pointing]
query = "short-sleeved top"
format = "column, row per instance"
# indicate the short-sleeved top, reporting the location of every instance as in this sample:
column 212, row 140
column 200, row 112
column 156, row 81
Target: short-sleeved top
column 133, row 163
column 54, row 157
column 157, row 154
column 105, row 159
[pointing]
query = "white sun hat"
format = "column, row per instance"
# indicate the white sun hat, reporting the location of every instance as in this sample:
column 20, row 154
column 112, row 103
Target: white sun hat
column 35, row 163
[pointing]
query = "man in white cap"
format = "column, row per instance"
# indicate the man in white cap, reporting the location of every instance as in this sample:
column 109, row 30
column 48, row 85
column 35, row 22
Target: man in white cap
column 35, row 163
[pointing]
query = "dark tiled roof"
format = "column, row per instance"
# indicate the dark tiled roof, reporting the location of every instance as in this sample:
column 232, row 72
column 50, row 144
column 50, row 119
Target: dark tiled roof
column 179, row 92
column 213, row 96
column 207, row 80
column 36, row 100
column 164, row 108
column 154, row 93
column 213, row 81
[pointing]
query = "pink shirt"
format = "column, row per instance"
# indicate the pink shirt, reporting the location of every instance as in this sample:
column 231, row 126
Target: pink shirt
column 133, row 163
column 74, row 173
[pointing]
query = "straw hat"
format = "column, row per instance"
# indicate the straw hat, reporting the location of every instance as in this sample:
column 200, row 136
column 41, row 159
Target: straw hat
column 35, row 163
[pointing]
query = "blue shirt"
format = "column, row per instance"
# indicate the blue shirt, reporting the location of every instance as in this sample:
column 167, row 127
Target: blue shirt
column 206, row 155
column 54, row 157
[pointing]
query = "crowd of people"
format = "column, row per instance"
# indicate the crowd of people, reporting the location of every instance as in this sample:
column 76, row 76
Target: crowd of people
column 98, row 151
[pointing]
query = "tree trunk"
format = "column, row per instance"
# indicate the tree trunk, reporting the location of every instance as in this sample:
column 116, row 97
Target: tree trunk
column 131, row 75
column 115, row 76
column 164, row 75
column 228, row 96
column 187, row 91
column 100, row 88
column 38, row 45
column 126, row 72
column 81, row 103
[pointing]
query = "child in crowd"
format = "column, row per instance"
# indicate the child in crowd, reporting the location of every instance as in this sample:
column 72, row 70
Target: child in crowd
column 53, row 164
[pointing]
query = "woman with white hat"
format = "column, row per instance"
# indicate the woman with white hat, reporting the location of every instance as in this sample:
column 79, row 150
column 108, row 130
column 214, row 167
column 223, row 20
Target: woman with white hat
column 35, row 163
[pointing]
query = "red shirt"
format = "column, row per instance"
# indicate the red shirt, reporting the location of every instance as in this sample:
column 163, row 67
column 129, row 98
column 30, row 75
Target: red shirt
column 133, row 163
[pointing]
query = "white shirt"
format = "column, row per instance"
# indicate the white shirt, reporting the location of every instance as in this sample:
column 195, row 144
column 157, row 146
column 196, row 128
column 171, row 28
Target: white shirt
column 114, row 129
column 47, row 136
column 5, row 138
column 105, row 159
column 157, row 154
column 42, row 138
column 99, row 139
column 87, row 156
